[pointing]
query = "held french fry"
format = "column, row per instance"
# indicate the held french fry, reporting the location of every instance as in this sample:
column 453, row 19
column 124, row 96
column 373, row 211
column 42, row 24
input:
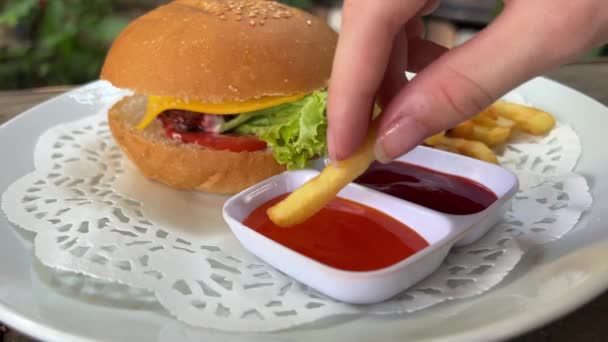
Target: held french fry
column 528, row 119
column 311, row 197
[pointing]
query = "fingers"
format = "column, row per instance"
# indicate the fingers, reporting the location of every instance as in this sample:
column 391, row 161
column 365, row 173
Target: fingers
column 415, row 28
column 430, row 7
column 364, row 47
column 461, row 83
column 421, row 53
column 394, row 76
column 410, row 52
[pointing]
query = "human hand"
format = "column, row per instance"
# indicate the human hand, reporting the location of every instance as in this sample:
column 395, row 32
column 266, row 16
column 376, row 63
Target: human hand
column 379, row 40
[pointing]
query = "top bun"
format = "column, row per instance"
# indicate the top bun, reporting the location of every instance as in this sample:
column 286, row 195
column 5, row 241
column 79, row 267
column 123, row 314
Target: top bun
column 219, row 51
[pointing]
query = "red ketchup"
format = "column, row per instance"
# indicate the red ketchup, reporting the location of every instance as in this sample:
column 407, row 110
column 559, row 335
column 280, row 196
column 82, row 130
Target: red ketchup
column 432, row 189
column 344, row 234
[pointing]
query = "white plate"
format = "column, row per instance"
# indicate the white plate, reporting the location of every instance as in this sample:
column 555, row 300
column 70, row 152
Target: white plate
column 551, row 280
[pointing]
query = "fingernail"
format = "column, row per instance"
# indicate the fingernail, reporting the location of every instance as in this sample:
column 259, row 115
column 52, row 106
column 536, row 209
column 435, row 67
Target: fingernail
column 380, row 153
column 388, row 139
column 401, row 136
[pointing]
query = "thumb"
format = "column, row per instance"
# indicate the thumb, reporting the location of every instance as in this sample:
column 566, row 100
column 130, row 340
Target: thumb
column 465, row 80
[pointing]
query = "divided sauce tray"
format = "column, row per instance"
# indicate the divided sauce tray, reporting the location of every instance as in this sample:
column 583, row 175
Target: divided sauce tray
column 442, row 231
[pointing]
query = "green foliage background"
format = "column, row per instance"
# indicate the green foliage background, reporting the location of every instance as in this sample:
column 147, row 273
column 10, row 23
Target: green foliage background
column 49, row 42
column 60, row 41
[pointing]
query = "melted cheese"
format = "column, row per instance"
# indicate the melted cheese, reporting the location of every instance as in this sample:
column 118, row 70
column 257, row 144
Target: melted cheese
column 159, row 104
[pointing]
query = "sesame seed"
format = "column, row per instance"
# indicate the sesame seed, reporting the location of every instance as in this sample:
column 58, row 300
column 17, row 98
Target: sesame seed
column 246, row 9
column 238, row 18
column 252, row 22
column 262, row 22
column 308, row 22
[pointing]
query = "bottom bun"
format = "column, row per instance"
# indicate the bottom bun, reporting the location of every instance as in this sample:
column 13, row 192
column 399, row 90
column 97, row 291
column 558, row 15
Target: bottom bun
column 185, row 166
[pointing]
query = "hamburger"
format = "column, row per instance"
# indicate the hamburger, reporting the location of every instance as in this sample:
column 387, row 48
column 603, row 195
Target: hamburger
column 226, row 93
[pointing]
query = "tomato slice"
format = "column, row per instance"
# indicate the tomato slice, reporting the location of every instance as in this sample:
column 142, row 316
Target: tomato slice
column 216, row 141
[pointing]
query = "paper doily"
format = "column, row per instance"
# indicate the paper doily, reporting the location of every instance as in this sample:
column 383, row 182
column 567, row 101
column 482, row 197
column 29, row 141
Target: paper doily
column 94, row 214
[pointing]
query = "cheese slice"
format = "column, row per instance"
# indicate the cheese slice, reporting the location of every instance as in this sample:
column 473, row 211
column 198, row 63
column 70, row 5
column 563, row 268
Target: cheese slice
column 159, row 104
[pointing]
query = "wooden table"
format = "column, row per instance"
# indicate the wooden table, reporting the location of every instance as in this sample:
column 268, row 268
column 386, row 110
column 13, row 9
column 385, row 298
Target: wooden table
column 589, row 323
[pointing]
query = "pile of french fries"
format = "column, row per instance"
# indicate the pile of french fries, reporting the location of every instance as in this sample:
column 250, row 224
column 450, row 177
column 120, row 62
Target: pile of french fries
column 492, row 127
column 474, row 138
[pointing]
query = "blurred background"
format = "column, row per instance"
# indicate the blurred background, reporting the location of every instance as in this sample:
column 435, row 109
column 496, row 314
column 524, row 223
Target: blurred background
column 63, row 42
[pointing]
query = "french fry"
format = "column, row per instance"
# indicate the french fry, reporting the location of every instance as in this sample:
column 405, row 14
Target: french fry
column 477, row 150
column 491, row 136
column 492, row 126
column 311, row 197
column 489, row 118
column 463, row 130
column 501, row 121
column 528, row 119
column 484, row 120
column 446, row 148
column 435, row 139
column 471, row 148
column 489, row 113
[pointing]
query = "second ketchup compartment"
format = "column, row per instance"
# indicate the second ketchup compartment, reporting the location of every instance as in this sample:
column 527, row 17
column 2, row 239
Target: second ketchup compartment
column 433, row 189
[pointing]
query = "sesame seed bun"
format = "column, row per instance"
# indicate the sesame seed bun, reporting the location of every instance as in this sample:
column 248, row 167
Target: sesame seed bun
column 220, row 51
column 214, row 51
column 184, row 166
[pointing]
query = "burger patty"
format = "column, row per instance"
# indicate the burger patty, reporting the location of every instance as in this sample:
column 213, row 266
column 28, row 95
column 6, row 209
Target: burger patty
column 186, row 121
column 204, row 130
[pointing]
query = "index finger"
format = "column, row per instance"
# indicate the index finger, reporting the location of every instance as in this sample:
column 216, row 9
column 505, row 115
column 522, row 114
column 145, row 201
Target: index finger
column 364, row 46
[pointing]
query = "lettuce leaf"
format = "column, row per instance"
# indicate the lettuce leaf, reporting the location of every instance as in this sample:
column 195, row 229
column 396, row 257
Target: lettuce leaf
column 296, row 132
